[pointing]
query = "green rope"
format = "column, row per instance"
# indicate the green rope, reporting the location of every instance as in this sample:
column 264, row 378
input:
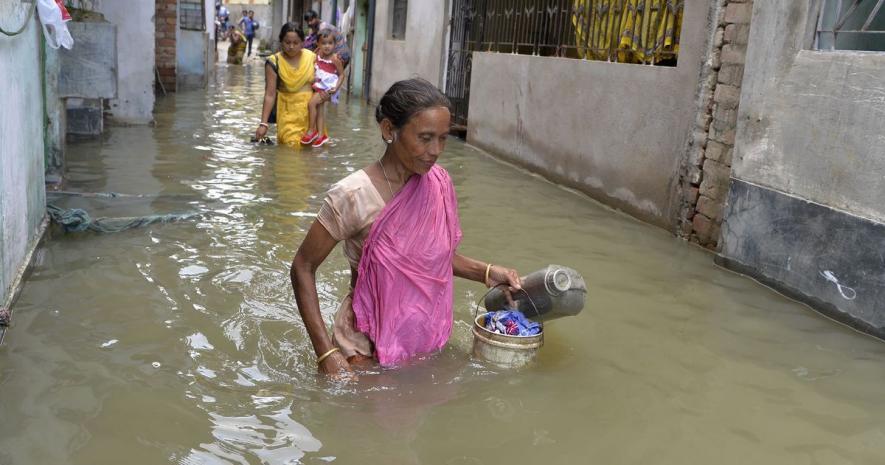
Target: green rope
column 77, row 220
column 24, row 25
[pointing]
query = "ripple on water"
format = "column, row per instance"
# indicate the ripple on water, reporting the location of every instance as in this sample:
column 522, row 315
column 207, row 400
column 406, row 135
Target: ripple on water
column 673, row 361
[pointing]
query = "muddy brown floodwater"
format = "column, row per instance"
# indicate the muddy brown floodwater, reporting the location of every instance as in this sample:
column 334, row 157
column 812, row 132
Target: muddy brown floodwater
column 181, row 343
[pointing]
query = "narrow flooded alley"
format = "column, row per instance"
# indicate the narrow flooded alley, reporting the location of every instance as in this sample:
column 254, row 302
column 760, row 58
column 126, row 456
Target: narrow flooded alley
column 181, row 343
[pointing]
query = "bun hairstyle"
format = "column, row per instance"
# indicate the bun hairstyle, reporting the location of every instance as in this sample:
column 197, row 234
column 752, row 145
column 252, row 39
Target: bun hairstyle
column 291, row 27
column 407, row 98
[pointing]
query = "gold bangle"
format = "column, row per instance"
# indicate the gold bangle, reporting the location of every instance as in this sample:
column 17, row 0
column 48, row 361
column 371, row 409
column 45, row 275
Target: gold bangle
column 488, row 268
column 327, row 354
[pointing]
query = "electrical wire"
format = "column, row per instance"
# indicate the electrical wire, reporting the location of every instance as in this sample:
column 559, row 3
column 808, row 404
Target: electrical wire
column 24, row 25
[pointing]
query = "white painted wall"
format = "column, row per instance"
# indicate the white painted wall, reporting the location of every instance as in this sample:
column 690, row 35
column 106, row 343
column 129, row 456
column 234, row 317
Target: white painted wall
column 810, row 123
column 192, row 59
column 135, row 58
column 420, row 54
column 22, row 192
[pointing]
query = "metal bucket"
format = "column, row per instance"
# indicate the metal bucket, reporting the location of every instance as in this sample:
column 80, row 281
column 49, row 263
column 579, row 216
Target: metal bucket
column 502, row 350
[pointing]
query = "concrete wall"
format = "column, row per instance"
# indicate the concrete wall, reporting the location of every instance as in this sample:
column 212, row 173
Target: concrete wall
column 56, row 121
column 264, row 16
column 615, row 131
column 135, row 58
column 279, row 16
column 420, row 54
column 22, row 193
column 805, row 207
column 89, row 69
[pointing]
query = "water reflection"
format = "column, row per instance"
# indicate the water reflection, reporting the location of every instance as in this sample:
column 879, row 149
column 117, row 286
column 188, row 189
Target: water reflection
column 271, row 436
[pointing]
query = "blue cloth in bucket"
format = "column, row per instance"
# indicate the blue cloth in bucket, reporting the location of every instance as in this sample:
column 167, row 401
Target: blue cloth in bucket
column 511, row 323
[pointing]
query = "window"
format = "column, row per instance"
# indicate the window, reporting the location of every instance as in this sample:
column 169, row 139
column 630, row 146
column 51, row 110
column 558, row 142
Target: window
column 191, row 15
column 624, row 31
column 851, row 25
column 398, row 19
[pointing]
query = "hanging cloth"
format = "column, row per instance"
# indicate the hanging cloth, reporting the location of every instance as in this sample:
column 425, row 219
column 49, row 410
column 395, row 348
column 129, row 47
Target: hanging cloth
column 53, row 15
column 403, row 295
column 628, row 31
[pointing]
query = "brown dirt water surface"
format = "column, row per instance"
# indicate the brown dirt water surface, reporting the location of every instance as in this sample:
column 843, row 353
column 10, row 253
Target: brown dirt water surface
column 181, row 343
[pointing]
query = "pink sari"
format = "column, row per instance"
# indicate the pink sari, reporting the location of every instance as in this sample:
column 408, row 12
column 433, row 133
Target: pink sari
column 403, row 294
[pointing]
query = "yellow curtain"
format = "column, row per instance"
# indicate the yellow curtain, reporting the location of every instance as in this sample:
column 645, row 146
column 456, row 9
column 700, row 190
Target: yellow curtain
column 628, row 31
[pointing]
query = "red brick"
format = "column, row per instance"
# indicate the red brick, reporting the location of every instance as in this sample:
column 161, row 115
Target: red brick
column 732, row 75
column 713, row 190
column 724, row 118
column 727, row 97
column 739, row 13
column 711, row 208
column 734, row 54
column 716, row 179
column 724, row 135
column 716, row 150
column 737, row 34
column 702, row 227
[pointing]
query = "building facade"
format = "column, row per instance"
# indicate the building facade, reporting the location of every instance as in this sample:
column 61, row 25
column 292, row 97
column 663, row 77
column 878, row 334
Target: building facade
column 22, row 194
column 757, row 137
column 804, row 211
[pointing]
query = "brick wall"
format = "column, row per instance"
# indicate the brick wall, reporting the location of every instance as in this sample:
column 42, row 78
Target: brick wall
column 705, row 179
column 166, row 20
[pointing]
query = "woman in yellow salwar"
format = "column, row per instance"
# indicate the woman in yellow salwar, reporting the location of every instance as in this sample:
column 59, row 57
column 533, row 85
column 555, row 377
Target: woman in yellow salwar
column 289, row 75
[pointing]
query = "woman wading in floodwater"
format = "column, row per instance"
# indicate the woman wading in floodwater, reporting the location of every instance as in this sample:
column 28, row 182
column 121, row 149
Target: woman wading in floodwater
column 399, row 222
column 288, row 76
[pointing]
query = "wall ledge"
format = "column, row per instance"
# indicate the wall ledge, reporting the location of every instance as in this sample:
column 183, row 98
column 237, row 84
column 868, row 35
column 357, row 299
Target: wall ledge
column 23, row 272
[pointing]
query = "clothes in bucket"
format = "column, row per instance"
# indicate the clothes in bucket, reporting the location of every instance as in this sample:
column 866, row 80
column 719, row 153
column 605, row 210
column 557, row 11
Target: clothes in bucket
column 511, row 337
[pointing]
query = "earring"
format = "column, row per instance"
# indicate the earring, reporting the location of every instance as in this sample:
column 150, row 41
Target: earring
column 389, row 141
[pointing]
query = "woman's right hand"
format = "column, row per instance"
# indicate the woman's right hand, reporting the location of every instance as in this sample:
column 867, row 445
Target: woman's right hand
column 260, row 132
column 337, row 367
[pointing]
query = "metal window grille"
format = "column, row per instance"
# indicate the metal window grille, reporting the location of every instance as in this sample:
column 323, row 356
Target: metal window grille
column 192, row 15
column 629, row 31
column 625, row 31
column 851, row 25
column 398, row 22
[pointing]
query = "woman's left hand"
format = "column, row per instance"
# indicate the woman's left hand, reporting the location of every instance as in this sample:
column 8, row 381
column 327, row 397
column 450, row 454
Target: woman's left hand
column 501, row 275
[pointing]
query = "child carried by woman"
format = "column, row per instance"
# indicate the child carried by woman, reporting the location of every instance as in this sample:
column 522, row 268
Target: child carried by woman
column 328, row 74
